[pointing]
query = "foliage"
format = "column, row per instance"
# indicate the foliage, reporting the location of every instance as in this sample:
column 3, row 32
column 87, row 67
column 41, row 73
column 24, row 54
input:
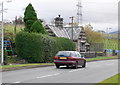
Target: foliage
column 29, row 17
column 9, row 36
column 65, row 44
column 38, row 28
column 96, row 39
column 92, row 36
column 9, row 31
column 39, row 48
column 13, row 59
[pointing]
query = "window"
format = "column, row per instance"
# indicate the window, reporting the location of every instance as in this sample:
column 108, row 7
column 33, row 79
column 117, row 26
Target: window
column 78, row 54
column 66, row 54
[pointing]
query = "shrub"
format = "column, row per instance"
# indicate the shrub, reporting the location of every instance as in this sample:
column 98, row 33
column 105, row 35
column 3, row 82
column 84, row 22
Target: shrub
column 39, row 48
column 38, row 28
column 65, row 44
column 29, row 47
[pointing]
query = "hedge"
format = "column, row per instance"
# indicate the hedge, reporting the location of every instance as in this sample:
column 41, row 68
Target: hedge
column 39, row 48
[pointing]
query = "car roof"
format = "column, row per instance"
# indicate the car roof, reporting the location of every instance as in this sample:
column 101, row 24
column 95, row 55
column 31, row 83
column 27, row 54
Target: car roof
column 68, row 51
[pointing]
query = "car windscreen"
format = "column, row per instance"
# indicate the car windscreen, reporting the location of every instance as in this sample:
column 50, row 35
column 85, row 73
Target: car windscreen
column 65, row 54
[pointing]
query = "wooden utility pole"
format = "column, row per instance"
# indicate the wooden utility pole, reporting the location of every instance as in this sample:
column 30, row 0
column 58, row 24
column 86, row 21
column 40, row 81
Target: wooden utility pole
column 72, row 18
column 15, row 25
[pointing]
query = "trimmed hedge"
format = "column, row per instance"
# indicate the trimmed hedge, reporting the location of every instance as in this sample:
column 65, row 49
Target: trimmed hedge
column 39, row 48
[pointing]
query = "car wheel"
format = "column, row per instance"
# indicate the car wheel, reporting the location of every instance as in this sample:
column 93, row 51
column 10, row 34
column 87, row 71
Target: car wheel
column 57, row 66
column 84, row 65
column 76, row 65
column 67, row 66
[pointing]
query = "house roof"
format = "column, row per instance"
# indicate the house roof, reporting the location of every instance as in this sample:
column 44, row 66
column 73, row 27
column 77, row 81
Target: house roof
column 65, row 32
column 59, row 32
column 76, row 32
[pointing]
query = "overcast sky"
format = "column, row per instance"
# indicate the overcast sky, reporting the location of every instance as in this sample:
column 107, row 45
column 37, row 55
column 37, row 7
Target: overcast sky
column 99, row 13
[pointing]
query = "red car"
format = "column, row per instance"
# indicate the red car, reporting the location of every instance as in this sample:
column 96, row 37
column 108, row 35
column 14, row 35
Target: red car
column 69, row 58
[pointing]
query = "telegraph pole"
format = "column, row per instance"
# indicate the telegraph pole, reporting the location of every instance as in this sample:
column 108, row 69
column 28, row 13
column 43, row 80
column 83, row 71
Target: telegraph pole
column 15, row 25
column 2, row 53
column 72, row 18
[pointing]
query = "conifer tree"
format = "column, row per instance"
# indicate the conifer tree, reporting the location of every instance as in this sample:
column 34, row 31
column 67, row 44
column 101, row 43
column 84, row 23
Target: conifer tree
column 29, row 17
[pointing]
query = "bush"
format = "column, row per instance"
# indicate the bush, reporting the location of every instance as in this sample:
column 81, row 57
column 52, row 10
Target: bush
column 37, row 27
column 39, row 48
column 13, row 60
column 65, row 44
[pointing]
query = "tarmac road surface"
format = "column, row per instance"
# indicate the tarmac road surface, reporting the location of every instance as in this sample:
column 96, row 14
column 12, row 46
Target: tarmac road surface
column 94, row 72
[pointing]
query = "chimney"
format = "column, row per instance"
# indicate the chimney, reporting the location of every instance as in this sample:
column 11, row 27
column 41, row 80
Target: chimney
column 59, row 21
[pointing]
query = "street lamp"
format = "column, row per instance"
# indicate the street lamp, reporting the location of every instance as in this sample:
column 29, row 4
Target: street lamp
column 107, row 31
column 2, row 49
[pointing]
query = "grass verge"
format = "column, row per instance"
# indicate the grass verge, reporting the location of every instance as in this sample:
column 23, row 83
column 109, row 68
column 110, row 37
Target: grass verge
column 46, row 64
column 24, row 65
column 102, row 58
column 114, row 80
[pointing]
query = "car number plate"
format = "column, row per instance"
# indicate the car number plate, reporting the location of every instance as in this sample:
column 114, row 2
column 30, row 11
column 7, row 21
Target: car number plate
column 63, row 58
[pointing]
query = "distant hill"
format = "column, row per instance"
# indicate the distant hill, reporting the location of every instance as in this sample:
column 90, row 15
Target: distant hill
column 115, row 32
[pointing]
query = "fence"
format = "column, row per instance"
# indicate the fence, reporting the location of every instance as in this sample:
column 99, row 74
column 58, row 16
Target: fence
column 97, row 47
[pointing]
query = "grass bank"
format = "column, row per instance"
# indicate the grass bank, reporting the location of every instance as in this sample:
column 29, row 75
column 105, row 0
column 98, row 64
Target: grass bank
column 112, row 44
column 102, row 58
column 114, row 80
column 24, row 65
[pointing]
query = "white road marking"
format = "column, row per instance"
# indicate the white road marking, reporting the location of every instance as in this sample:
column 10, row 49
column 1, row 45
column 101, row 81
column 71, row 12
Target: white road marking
column 56, row 74
column 48, row 75
column 110, row 64
column 44, row 76
column 17, row 82
column 75, row 70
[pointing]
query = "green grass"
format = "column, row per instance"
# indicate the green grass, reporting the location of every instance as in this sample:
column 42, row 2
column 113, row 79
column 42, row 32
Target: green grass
column 112, row 44
column 113, row 80
column 23, row 65
column 37, row 64
column 102, row 58
column 10, row 28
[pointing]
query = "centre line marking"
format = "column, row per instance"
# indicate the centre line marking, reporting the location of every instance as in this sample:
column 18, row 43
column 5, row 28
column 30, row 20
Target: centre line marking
column 48, row 75
column 17, row 82
column 56, row 74
column 75, row 70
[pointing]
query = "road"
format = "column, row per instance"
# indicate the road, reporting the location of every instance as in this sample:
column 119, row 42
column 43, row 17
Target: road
column 94, row 72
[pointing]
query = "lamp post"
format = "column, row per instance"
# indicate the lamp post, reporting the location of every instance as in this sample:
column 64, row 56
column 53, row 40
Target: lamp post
column 2, row 53
column 107, row 31
column 2, row 49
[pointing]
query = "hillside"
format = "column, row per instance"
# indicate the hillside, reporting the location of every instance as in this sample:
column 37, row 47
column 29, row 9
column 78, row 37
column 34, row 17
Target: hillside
column 112, row 44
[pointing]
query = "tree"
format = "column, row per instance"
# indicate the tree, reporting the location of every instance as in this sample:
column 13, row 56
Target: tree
column 29, row 17
column 20, row 20
column 38, row 28
column 92, row 36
